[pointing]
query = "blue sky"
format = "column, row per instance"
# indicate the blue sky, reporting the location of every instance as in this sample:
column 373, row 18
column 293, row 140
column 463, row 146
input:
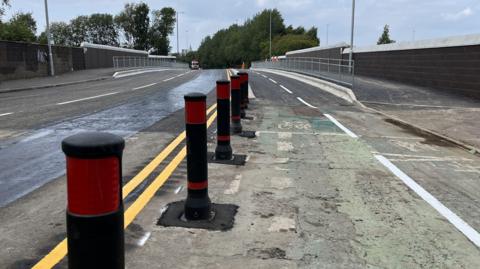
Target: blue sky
column 408, row 19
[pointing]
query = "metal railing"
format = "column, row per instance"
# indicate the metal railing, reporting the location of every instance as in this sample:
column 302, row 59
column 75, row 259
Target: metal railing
column 334, row 70
column 125, row 62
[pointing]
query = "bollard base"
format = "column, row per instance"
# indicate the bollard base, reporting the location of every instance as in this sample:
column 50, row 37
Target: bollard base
column 223, row 152
column 236, row 159
column 223, row 217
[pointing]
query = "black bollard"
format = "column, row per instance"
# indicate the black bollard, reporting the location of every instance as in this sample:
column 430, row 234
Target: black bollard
column 95, row 235
column 235, row 105
column 197, row 205
column 244, row 88
column 242, row 95
column 223, row 151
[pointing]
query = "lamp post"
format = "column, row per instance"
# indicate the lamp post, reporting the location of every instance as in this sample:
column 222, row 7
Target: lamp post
column 178, row 46
column 50, row 56
column 271, row 34
column 351, row 37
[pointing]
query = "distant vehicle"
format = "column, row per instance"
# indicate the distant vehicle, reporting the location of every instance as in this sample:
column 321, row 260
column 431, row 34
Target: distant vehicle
column 195, row 65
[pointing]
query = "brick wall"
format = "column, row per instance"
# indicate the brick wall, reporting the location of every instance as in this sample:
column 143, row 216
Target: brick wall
column 455, row 69
column 20, row 60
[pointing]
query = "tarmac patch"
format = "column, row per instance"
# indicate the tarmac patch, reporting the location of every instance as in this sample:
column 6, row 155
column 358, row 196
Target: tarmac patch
column 223, row 219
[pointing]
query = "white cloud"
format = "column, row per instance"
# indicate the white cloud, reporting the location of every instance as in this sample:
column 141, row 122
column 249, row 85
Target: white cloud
column 467, row 12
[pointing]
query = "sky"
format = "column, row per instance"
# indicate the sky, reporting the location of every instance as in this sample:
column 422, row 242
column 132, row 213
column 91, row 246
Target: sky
column 408, row 19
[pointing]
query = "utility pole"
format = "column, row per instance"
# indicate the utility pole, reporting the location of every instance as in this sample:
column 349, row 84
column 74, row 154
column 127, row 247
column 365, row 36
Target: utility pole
column 351, row 37
column 50, row 56
column 178, row 42
column 271, row 34
column 178, row 48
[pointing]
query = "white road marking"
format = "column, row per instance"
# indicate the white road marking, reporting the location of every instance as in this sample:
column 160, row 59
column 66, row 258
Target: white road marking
column 307, row 104
column 165, row 80
column 87, row 98
column 144, row 86
column 234, row 185
column 180, row 188
column 345, row 129
column 6, row 114
column 461, row 225
column 264, row 76
column 284, row 146
column 143, row 239
column 251, row 95
column 273, row 81
column 282, row 224
column 287, row 90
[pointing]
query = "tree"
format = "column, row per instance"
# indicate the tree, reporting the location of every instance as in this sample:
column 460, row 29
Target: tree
column 385, row 37
column 96, row 28
column 79, row 30
column 162, row 27
column 251, row 41
column 134, row 22
column 61, row 33
column 3, row 4
column 102, row 30
column 21, row 27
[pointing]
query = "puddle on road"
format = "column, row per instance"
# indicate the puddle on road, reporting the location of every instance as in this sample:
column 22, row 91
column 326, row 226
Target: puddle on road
column 35, row 159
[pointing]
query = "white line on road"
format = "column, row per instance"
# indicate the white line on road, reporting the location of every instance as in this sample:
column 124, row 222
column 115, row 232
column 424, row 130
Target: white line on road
column 287, row 90
column 144, row 86
column 143, row 239
column 345, row 129
column 272, row 80
column 88, row 98
column 165, row 80
column 264, row 76
column 460, row 224
column 6, row 114
column 307, row 104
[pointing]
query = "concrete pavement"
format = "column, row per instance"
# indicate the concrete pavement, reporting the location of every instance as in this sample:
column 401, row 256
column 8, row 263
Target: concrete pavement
column 313, row 193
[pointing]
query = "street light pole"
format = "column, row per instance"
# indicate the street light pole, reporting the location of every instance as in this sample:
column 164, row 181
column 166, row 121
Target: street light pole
column 351, row 37
column 271, row 34
column 50, row 56
column 178, row 42
column 178, row 47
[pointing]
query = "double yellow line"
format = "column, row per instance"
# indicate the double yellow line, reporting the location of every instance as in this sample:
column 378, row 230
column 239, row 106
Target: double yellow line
column 60, row 251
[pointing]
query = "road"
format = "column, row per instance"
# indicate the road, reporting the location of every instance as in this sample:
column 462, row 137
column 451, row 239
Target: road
column 326, row 183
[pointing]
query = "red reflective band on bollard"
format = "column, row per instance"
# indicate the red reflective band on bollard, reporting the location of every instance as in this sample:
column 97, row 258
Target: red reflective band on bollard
column 223, row 137
column 197, row 185
column 235, row 117
column 236, row 83
column 93, row 185
column 195, row 112
column 223, row 91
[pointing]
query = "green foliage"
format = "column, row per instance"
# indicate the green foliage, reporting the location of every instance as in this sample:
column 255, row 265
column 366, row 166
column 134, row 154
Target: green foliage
column 61, row 33
column 162, row 26
column 96, row 28
column 3, row 4
column 21, row 27
column 250, row 41
column 385, row 37
column 135, row 23
column 102, row 30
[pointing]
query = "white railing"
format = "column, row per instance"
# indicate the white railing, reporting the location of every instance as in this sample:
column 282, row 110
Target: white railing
column 335, row 70
column 125, row 62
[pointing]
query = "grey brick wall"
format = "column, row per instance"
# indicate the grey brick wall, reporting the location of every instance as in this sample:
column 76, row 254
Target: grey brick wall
column 454, row 69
